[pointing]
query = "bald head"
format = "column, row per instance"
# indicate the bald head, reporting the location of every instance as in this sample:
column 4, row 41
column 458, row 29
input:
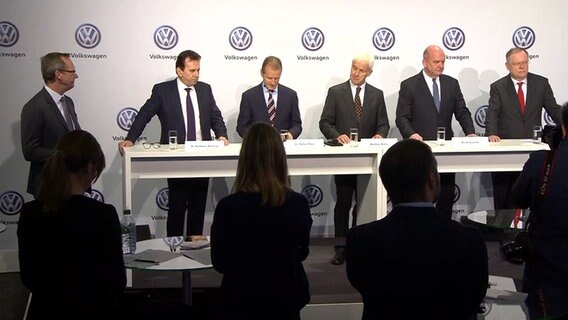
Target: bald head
column 433, row 60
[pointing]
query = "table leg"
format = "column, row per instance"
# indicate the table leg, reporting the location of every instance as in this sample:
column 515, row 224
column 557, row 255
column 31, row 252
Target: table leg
column 186, row 287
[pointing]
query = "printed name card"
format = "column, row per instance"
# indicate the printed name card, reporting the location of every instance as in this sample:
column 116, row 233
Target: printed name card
column 387, row 142
column 304, row 143
column 470, row 141
column 189, row 145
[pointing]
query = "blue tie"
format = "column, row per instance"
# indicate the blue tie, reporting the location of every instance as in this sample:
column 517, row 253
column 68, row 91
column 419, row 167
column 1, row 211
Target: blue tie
column 436, row 94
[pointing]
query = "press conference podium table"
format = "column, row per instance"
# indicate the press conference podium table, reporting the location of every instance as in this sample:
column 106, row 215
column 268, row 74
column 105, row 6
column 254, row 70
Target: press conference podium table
column 141, row 163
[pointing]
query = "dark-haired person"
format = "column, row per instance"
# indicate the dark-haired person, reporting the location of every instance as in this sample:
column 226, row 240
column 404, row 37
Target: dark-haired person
column 187, row 105
column 48, row 115
column 515, row 107
column 270, row 102
column 415, row 263
column 546, row 275
column 70, row 247
column 261, row 233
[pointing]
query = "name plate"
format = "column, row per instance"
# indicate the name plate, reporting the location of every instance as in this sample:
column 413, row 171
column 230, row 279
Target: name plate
column 386, row 142
column 203, row 144
column 304, row 143
column 470, row 141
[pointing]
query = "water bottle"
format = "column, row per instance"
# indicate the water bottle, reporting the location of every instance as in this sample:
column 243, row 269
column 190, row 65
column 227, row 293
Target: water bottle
column 128, row 229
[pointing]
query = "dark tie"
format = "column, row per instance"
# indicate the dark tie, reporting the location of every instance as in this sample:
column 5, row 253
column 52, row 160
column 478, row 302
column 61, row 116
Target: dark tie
column 190, row 117
column 357, row 102
column 271, row 107
column 67, row 114
column 436, row 94
column 521, row 95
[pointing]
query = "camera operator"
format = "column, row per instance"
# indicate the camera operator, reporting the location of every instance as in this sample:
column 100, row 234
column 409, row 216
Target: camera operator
column 546, row 272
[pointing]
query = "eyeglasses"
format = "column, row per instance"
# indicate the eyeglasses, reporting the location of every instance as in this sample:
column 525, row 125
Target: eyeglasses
column 518, row 64
column 148, row 145
column 71, row 71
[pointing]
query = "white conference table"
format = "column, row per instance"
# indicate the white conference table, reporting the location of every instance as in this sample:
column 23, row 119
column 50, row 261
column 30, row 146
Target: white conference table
column 141, row 163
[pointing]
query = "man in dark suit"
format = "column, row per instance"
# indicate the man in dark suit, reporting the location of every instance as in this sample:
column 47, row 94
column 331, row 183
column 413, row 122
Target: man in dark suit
column 352, row 104
column 427, row 101
column 507, row 118
column 188, row 106
column 270, row 102
column 415, row 263
column 48, row 115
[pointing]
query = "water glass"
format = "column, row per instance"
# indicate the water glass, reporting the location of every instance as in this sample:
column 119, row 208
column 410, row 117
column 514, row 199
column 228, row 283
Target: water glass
column 284, row 135
column 173, row 140
column 354, row 136
column 441, row 136
column 537, row 134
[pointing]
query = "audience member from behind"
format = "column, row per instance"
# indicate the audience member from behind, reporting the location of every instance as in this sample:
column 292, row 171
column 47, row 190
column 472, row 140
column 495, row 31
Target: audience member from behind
column 546, row 273
column 416, row 263
column 69, row 245
column 261, row 233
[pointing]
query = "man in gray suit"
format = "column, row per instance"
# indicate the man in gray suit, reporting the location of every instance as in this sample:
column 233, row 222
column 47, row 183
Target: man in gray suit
column 352, row 104
column 48, row 115
column 515, row 106
column 427, row 101
column 270, row 102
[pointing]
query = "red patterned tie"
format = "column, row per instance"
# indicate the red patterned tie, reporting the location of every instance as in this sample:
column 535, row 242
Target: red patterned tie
column 521, row 95
column 271, row 107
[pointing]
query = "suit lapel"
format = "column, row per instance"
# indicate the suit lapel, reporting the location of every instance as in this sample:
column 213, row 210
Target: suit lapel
column 513, row 96
column 348, row 98
column 424, row 91
column 53, row 108
column 259, row 96
column 531, row 92
column 179, row 121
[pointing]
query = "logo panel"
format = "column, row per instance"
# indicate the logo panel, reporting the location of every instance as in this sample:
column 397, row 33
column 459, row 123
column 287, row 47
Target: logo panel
column 524, row 37
column 547, row 119
column 165, row 37
column 313, row 39
column 240, row 38
column 9, row 34
column 11, row 203
column 162, row 199
column 88, row 36
column 457, row 193
column 95, row 194
column 481, row 115
column 314, row 195
column 383, row 39
column 453, row 39
column 126, row 117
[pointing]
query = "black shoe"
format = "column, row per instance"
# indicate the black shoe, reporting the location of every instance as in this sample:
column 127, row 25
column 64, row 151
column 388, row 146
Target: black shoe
column 338, row 258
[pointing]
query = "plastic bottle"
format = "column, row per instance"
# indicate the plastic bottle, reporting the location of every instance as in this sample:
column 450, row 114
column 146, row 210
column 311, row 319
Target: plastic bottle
column 128, row 229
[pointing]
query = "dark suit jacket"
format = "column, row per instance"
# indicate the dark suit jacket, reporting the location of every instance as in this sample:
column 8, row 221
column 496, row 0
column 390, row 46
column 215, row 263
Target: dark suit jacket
column 259, row 250
column 504, row 117
column 42, row 125
column 416, row 111
column 165, row 102
column 338, row 114
column 253, row 109
column 71, row 260
column 416, row 262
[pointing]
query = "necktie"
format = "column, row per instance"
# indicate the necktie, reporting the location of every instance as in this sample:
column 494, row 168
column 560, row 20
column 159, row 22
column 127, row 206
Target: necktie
column 191, row 136
column 271, row 107
column 357, row 102
column 521, row 95
column 436, row 94
column 67, row 114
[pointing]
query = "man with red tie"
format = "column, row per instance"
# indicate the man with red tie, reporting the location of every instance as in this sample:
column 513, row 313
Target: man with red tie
column 187, row 105
column 515, row 107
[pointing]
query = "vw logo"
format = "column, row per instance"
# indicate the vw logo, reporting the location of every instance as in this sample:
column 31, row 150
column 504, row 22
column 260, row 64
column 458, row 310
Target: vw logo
column 95, row 194
column 162, row 199
column 457, row 193
column 88, row 36
column 240, row 38
column 126, row 117
column 524, row 37
column 313, row 39
column 313, row 194
column 383, row 39
column 480, row 116
column 547, row 119
column 9, row 34
column 453, row 38
column 165, row 37
column 11, row 203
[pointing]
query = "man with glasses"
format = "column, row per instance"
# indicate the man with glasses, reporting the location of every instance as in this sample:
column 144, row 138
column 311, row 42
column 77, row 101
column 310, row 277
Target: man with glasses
column 48, row 115
column 515, row 107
